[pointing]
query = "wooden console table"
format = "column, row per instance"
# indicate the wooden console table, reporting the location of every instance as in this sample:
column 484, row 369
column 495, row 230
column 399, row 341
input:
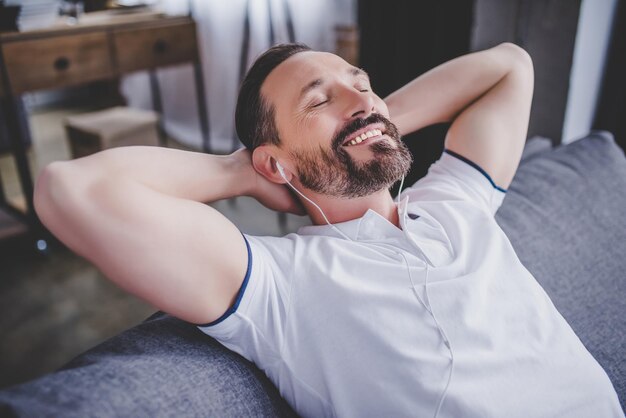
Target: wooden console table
column 102, row 46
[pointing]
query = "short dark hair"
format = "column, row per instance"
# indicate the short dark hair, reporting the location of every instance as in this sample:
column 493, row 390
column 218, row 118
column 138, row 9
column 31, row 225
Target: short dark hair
column 254, row 116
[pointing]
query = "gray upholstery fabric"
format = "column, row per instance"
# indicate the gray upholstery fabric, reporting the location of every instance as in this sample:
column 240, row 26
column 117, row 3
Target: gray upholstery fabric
column 564, row 214
column 163, row 367
column 535, row 146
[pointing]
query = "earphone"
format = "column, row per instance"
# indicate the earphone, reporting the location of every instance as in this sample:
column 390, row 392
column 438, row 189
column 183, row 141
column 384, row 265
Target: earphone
column 281, row 171
column 426, row 304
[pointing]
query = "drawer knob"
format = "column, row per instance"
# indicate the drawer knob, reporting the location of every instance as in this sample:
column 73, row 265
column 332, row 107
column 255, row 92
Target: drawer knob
column 62, row 63
column 160, row 46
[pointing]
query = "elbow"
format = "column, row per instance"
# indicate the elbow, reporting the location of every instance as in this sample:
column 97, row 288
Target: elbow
column 50, row 192
column 43, row 183
column 518, row 58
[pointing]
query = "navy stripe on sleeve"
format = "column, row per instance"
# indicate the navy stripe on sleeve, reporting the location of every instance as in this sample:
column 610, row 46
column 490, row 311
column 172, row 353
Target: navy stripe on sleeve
column 242, row 289
column 476, row 166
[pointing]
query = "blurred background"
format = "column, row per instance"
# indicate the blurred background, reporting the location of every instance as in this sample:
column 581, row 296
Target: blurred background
column 81, row 76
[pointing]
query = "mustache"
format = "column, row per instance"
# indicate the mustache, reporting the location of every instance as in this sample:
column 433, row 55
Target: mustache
column 356, row 124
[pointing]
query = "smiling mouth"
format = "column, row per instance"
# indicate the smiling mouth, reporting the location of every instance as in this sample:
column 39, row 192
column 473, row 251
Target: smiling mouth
column 364, row 137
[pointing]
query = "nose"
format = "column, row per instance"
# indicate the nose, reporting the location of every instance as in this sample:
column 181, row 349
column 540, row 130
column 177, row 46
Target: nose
column 358, row 103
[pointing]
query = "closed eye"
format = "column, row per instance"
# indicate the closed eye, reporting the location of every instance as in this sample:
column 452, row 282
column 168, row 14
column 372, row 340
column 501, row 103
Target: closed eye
column 320, row 103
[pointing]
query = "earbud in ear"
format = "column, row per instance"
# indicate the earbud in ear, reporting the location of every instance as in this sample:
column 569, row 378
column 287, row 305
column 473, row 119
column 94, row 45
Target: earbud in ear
column 281, row 170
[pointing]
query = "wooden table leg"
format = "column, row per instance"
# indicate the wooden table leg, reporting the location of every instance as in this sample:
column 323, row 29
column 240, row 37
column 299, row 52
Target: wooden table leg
column 203, row 109
column 157, row 105
column 18, row 136
column 18, row 140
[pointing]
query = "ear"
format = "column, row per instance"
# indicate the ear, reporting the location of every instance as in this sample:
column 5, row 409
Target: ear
column 264, row 163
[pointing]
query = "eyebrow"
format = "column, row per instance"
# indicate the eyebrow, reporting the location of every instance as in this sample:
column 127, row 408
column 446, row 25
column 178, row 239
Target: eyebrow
column 358, row 71
column 355, row 71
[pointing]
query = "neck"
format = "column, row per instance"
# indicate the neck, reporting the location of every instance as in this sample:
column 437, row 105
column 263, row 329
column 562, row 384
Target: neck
column 341, row 209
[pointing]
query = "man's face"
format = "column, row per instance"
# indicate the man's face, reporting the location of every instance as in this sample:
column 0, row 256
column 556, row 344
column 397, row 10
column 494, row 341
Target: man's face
column 333, row 127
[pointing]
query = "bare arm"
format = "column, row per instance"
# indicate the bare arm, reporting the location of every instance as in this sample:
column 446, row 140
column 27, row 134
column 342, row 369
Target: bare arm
column 137, row 214
column 487, row 97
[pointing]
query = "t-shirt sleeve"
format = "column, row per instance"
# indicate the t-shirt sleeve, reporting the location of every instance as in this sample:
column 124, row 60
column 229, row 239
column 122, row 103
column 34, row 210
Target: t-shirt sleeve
column 254, row 324
column 454, row 177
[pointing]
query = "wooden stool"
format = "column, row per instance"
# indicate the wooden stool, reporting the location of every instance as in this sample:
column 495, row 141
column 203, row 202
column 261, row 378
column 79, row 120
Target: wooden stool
column 116, row 127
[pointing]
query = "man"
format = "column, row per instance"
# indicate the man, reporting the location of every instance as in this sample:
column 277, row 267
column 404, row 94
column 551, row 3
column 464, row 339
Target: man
column 417, row 308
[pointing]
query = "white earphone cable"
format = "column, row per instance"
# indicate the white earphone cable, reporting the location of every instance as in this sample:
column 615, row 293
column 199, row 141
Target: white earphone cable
column 428, row 308
column 446, row 342
column 314, row 204
column 400, row 191
column 426, row 304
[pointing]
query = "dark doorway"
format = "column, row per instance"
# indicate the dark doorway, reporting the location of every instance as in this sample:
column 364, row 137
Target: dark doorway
column 401, row 40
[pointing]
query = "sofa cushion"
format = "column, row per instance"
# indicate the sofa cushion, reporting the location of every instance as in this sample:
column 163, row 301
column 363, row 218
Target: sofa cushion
column 162, row 367
column 534, row 147
column 565, row 214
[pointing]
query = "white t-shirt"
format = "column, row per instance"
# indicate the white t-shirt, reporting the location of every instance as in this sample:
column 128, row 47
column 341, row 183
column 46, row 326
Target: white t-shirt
column 401, row 322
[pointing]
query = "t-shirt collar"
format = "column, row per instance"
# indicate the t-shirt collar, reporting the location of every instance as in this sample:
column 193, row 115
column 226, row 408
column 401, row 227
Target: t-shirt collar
column 370, row 226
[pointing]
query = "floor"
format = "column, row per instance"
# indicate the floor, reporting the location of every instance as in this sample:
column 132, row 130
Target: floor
column 55, row 305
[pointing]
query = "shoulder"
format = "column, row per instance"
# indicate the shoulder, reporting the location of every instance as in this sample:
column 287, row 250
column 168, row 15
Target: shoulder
column 453, row 177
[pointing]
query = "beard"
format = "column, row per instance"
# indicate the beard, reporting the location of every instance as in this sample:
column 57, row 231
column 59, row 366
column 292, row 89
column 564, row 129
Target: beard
column 335, row 173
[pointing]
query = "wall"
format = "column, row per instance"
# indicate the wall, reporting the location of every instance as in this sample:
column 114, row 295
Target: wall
column 547, row 30
column 592, row 41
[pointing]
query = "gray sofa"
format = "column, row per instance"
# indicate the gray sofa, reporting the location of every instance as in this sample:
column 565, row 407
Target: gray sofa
column 565, row 214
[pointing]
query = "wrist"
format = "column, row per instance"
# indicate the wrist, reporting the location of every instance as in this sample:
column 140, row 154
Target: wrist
column 243, row 175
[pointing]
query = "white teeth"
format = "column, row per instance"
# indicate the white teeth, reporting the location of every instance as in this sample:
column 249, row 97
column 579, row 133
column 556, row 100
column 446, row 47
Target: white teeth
column 369, row 134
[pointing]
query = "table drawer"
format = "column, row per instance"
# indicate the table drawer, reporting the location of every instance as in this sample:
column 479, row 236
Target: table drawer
column 56, row 62
column 139, row 49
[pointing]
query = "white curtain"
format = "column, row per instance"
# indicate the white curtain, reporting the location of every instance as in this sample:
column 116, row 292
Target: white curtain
column 220, row 34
